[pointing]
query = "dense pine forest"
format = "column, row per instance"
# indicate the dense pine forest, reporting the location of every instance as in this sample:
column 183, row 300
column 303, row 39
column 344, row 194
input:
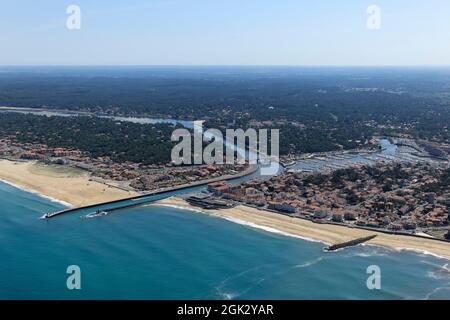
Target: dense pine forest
column 316, row 109
column 121, row 141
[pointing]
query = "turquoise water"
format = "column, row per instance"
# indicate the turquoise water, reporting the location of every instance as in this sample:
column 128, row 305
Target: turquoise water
column 165, row 253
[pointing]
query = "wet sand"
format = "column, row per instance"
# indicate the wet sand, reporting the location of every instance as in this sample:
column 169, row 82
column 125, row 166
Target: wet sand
column 64, row 184
column 327, row 233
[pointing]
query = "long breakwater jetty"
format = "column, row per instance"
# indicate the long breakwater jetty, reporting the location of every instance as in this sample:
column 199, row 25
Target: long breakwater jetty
column 69, row 210
column 350, row 243
column 252, row 169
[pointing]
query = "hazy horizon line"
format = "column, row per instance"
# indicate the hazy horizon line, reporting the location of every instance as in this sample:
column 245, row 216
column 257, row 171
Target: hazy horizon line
column 233, row 65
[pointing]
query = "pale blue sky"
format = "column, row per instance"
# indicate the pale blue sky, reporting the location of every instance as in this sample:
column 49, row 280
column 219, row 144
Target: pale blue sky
column 225, row 32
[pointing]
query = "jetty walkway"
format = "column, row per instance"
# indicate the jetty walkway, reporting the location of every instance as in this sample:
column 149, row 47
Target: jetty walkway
column 252, row 169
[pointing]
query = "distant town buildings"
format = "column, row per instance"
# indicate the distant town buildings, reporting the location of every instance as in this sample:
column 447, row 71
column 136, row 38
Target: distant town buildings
column 396, row 197
column 128, row 175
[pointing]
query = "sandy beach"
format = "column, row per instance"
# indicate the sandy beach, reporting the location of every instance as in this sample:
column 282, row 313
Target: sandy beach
column 330, row 234
column 65, row 184
column 74, row 187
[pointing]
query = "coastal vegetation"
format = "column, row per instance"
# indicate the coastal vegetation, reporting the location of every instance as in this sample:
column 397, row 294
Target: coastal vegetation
column 120, row 141
column 316, row 109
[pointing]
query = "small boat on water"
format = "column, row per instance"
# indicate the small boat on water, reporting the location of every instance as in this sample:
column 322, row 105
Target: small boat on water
column 98, row 213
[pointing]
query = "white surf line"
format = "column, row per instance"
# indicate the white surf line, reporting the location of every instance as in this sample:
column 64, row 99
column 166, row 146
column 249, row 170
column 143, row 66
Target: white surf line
column 242, row 222
column 414, row 250
column 64, row 203
column 276, row 231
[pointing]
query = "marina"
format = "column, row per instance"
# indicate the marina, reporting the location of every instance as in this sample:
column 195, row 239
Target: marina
column 389, row 153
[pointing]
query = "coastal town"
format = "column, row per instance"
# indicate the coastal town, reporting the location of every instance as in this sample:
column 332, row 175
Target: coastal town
column 401, row 192
column 402, row 197
column 128, row 175
column 225, row 159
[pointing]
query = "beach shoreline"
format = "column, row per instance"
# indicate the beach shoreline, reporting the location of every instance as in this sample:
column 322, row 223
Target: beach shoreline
column 310, row 231
column 79, row 190
column 70, row 191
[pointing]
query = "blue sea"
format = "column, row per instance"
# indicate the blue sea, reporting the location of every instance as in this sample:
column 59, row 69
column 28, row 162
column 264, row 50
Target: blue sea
column 159, row 252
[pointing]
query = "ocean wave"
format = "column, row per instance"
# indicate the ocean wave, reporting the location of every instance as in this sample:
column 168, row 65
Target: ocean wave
column 242, row 273
column 371, row 250
column 227, row 295
column 433, row 292
column 175, row 207
column 308, row 263
column 228, row 289
column 420, row 251
column 270, row 229
column 242, row 222
column 64, row 203
column 439, row 272
column 401, row 249
column 435, row 275
column 276, row 231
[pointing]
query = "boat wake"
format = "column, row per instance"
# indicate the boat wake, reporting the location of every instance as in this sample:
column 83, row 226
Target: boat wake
column 95, row 215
